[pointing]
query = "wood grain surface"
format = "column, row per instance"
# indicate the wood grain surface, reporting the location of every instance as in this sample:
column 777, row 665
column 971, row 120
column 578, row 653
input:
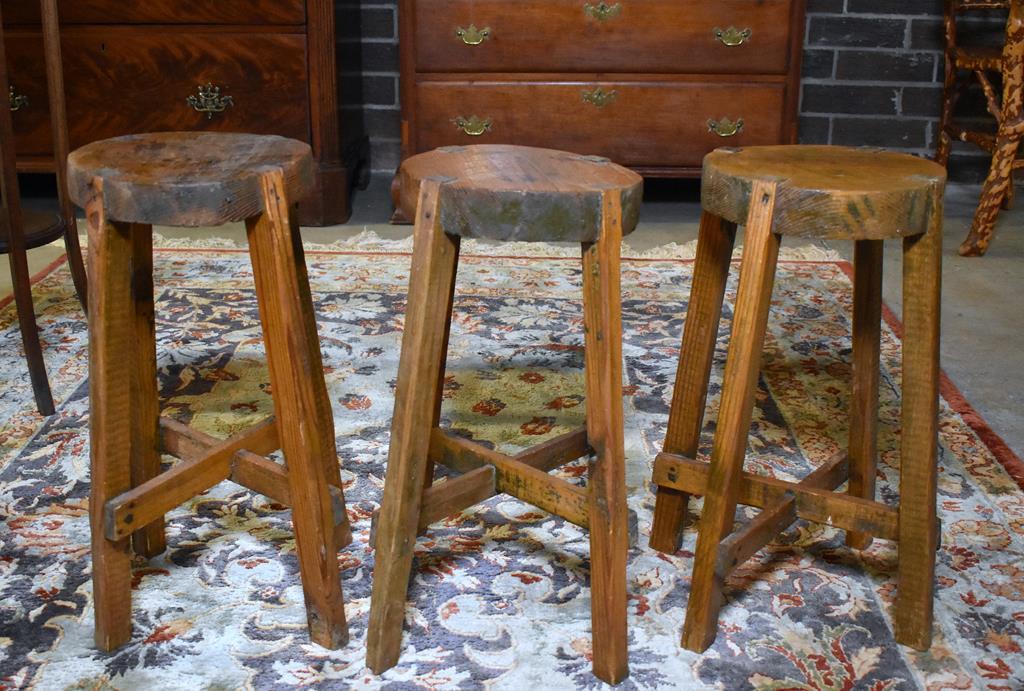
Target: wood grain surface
column 521, row 193
column 188, row 178
column 827, row 191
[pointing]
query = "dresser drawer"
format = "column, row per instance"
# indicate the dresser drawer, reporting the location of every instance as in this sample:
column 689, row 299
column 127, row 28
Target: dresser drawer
column 665, row 36
column 646, row 124
column 26, row 72
column 126, row 82
column 162, row 12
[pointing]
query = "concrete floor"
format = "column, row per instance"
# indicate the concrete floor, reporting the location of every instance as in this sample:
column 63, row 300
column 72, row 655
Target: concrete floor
column 982, row 320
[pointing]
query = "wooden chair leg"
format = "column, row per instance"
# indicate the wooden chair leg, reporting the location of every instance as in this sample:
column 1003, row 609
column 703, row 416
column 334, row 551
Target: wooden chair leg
column 867, row 329
column 757, row 273
column 110, row 337
column 609, row 534
column 76, row 263
column 148, row 541
column 434, row 261
column 992, row 195
column 305, row 424
column 918, row 525
column 696, row 355
column 30, row 330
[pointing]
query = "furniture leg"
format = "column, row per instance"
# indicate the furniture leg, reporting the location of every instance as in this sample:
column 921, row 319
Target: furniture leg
column 918, row 525
column 428, row 477
column 307, row 315
column 609, row 535
column 435, row 257
column 305, row 424
column 29, row 328
column 867, row 330
column 1000, row 176
column 757, row 272
column 110, row 383
column 696, row 355
column 149, row 540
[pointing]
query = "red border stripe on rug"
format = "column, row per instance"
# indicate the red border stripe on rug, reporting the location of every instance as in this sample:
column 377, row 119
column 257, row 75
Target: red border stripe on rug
column 957, row 401
column 35, row 278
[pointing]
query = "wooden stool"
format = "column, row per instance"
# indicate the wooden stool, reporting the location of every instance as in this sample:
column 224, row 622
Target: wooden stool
column 823, row 192
column 193, row 179
column 526, row 194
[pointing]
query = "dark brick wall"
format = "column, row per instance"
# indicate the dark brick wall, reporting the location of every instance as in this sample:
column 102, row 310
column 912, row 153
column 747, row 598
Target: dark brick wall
column 872, row 75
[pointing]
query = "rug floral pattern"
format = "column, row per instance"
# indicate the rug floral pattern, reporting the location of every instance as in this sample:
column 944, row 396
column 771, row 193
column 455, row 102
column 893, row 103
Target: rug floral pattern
column 500, row 594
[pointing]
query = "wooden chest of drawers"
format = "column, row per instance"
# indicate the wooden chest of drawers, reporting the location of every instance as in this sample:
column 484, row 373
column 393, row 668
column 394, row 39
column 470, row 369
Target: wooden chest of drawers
column 261, row 66
column 652, row 84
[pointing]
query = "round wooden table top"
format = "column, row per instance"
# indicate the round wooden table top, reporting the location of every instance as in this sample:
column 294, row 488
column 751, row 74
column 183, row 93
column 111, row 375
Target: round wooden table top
column 503, row 192
column 187, row 178
column 38, row 228
column 828, row 191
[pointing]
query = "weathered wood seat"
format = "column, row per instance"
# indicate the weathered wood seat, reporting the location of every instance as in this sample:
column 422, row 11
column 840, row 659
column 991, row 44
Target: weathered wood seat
column 826, row 192
column 193, row 179
column 861, row 195
column 189, row 179
column 501, row 192
column 508, row 193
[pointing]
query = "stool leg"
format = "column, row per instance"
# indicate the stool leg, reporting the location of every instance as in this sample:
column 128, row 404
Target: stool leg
column 922, row 280
column 435, row 257
column 609, row 534
column 332, row 467
column 110, row 382
column 305, row 423
column 149, row 540
column 428, row 476
column 757, row 273
column 867, row 329
column 696, row 354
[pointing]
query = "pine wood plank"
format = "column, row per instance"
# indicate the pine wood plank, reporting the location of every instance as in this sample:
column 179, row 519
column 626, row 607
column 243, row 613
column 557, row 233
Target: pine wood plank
column 757, row 273
column 689, row 396
column 606, row 484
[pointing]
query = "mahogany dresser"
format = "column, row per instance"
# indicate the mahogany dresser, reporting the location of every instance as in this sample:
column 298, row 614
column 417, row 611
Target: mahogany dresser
column 651, row 84
column 260, row 66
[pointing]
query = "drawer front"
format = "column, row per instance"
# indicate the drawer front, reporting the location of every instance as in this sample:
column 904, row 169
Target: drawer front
column 162, row 12
column 641, row 124
column 127, row 82
column 666, row 36
column 26, row 72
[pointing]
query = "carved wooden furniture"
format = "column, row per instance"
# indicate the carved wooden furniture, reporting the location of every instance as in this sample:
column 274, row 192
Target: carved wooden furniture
column 979, row 62
column 192, row 179
column 259, row 66
column 651, row 84
column 24, row 229
column 508, row 193
column 826, row 192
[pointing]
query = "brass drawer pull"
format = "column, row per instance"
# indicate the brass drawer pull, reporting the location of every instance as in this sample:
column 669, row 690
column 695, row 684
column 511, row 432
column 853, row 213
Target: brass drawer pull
column 473, row 36
column 18, row 101
column 732, row 36
column 208, row 100
column 473, row 126
column 599, row 97
column 602, row 11
column 725, row 127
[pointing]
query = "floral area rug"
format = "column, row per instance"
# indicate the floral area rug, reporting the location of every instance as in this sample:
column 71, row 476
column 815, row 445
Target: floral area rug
column 499, row 597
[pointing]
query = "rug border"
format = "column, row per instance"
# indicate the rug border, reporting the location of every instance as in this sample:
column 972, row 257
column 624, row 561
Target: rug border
column 1006, row 456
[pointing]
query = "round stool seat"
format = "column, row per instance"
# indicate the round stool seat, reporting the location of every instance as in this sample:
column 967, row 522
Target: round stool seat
column 827, row 191
column 501, row 192
column 187, row 178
